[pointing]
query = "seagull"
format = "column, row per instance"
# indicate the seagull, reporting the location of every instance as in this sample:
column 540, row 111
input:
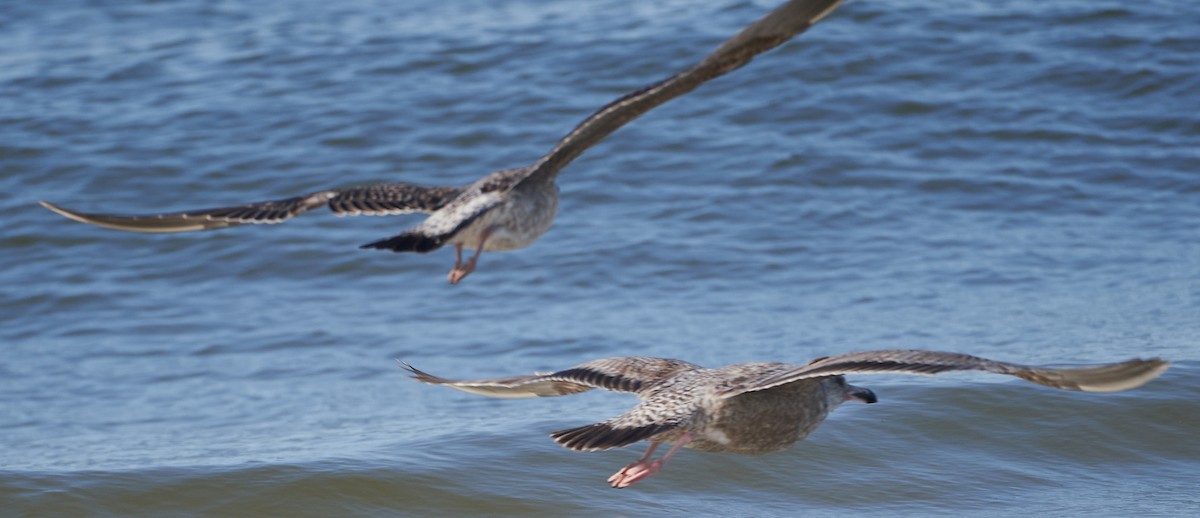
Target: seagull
column 753, row 408
column 505, row 210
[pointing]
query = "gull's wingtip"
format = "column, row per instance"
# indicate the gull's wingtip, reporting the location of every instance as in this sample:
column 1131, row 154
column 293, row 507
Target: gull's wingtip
column 820, row 16
column 66, row 213
column 420, row 375
column 406, row 366
column 55, row 208
column 1154, row 368
column 147, row 223
column 1118, row 377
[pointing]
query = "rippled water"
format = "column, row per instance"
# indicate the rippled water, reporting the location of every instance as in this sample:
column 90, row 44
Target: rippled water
column 1017, row 180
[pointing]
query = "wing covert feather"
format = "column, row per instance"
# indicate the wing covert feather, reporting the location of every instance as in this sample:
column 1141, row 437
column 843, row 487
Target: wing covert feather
column 624, row 374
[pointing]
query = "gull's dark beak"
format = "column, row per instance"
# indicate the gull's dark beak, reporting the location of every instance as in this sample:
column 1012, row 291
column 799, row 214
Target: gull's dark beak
column 860, row 394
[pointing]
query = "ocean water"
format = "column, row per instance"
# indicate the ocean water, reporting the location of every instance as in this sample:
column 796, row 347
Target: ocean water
column 1017, row 180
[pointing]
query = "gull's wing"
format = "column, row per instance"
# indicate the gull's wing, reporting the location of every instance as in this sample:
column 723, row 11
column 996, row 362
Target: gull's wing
column 372, row 200
column 1103, row 378
column 771, row 31
column 625, row 374
column 647, row 419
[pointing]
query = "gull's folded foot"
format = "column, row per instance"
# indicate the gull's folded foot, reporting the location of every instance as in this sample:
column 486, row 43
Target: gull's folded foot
column 644, row 467
column 634, row 472
column 460, row 272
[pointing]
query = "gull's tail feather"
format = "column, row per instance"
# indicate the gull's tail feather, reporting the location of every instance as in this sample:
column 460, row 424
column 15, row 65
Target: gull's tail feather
column 407, row 242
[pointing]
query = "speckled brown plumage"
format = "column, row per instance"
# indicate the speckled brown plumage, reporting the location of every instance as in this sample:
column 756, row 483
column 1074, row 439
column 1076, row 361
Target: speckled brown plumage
column 754, row 408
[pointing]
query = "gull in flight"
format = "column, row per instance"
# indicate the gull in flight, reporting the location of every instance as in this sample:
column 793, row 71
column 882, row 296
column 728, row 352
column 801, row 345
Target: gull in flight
column 504, row 210
column 753, row 408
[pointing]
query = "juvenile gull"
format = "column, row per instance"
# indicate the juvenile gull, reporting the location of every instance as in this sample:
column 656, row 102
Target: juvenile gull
column 753, row 408
column 504, row 210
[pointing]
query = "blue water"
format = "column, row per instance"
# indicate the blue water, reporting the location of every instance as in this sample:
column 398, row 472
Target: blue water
column 1017, row 180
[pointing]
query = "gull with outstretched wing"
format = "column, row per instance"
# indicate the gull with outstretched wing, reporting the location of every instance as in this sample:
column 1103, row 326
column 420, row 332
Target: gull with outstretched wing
column 753, row 408
column 504, row 210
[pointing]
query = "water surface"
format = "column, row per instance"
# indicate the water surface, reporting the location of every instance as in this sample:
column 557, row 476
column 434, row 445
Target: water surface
column 1015, row 179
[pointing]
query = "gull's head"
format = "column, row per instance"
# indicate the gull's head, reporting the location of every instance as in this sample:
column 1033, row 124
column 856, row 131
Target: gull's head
column 840, row 392
column 860, row 394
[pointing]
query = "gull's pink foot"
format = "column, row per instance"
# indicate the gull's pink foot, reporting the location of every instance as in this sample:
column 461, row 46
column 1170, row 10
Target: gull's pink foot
column 461, row 271
column 644, row 467
column 634, row 472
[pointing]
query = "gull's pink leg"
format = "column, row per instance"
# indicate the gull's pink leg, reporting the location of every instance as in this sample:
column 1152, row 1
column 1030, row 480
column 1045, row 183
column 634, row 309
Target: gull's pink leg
column 460, row 270
column 457, row 256
column 642, row 469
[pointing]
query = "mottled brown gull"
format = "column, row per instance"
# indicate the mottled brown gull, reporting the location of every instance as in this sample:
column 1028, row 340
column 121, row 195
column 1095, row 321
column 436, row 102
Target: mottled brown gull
column 753, row 408
column 504, row 210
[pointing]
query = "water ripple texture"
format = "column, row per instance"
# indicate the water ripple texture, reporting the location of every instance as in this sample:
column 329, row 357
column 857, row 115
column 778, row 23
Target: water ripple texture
column 1013, row 179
